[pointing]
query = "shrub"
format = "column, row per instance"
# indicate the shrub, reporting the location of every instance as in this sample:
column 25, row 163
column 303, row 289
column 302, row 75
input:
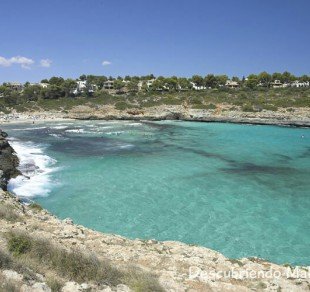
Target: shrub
column 54, row 284
column 247, row 108
column 195, row 100
column 78, row 266
column 171, row 101
column 35, row 206
column 121, row 105
column 141, row 282
column 19, row 245
column 270, row 107
column 211, row 106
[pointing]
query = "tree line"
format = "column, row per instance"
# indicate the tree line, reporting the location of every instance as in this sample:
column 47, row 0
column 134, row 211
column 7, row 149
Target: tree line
column 58, row 87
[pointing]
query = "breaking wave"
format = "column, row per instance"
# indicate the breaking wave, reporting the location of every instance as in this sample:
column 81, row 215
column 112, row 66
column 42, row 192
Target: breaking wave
column 36, row 169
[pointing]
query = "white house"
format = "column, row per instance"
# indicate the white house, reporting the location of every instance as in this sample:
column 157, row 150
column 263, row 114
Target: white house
column 231, row 84
column 297, row 83
column 140, row 85
column 43, row 85
column 196, row 87
column 17, row 86
column 109, row 84
column 81, row 84
column 276, row 84
column 149, row 83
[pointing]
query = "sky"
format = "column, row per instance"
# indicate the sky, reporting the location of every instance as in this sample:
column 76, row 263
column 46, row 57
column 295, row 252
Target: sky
column 44, row 38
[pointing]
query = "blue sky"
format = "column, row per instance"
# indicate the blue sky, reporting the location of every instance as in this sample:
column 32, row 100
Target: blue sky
column 44, row 38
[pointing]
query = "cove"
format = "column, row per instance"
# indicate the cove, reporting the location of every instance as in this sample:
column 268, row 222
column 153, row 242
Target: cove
column 242, row 190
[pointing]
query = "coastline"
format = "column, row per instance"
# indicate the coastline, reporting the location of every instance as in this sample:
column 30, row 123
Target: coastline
column 179, row 266
column 298, row 117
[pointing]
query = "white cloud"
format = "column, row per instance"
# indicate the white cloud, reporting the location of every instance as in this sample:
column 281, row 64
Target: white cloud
column 4, row 62
column 23, row 61
column 106, row 63
column 45, row 63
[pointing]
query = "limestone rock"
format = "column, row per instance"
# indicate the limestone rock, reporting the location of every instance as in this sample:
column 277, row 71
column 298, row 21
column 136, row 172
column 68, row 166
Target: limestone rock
column 68, row 221
column 106, row 289
column 72, row 287
column 37, row 287
column 12, row 275
column 122, row 288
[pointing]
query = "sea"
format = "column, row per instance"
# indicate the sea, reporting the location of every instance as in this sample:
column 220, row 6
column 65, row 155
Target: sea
column 242, row 190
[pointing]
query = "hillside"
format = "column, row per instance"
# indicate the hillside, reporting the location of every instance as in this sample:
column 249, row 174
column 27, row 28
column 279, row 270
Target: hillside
column 287, row 106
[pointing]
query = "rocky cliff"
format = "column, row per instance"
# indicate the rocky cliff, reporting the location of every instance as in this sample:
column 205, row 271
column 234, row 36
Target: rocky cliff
column 8, row 161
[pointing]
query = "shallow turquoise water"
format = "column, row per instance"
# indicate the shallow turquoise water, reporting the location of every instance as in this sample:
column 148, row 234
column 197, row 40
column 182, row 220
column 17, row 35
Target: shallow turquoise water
column 240, row 189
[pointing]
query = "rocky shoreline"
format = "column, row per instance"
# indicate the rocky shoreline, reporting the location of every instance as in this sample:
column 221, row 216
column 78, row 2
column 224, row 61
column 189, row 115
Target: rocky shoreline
column 297, row 117
column 8, row 161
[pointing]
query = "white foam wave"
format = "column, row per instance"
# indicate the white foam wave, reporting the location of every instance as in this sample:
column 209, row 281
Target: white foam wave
column 127, row 146
column 134, row 124
column 55, row 135
column 59, row 127
column 106, row 127
column 36, row 168
column 75, row 131
column 114, row 133
column 30, row 129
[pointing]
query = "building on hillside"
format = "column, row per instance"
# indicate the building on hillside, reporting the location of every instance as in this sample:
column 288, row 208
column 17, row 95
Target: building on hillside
column 297, row 83
column 197, row 87
column 231, row 84
column 81, row 84
column 276, row 84
column 43, row 85
column 109, row 84
column 149, row 83
column 140, row 85
column 16, row 86
column 262, row 84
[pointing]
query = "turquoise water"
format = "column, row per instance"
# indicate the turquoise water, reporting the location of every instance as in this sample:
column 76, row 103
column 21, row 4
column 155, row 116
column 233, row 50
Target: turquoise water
column 242, row 190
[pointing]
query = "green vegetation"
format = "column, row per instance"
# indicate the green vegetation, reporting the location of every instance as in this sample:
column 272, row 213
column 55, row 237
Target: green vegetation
column 7, row 262
column 247, row 99
column 254, row 93
column 76, row 265
column 122, row 105
column 36, row 207
column 19, row 245
column 54, row 284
